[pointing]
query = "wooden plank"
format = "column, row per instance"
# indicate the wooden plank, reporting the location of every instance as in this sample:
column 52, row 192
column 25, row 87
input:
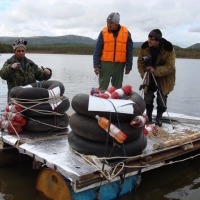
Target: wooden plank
column 159, row 157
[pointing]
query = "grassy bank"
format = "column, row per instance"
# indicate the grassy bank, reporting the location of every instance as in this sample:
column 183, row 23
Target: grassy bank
column 82, row 49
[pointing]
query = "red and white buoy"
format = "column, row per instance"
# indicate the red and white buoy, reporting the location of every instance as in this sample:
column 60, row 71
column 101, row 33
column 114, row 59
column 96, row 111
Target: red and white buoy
column 13, row 108
column 105, row 95
column 11, row 120
column 149, row 128
column 139, row 121
column 109, row 91
column 119, row 93
column 95, row 91
column 10, row 127
column 16, row 117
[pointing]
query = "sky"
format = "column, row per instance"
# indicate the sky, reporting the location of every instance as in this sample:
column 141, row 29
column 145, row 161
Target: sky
column 179, row 20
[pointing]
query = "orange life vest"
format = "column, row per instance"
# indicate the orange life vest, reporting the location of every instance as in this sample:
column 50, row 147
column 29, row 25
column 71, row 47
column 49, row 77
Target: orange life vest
column 114, row 49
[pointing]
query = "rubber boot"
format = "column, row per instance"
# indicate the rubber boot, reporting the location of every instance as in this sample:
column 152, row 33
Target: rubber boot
column 159, row 118
column 149, row 110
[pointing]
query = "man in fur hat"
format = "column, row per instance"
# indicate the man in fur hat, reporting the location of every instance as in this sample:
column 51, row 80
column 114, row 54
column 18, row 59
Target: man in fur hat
column 20, row 71
column 156, row 61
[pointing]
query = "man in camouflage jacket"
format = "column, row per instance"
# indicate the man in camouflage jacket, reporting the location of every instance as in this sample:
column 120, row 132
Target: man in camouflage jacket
column 21, row 71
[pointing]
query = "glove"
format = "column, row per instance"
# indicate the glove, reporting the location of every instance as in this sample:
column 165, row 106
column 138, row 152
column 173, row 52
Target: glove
column 15, row 66
column 46, row 71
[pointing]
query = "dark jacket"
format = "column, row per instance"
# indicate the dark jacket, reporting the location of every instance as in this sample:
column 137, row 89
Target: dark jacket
column 165, row 70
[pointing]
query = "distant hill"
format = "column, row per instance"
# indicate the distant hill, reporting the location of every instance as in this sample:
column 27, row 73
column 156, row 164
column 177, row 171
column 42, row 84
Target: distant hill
column 66, row 39
column 43, row 40
column 195, row 46
column 46, row 40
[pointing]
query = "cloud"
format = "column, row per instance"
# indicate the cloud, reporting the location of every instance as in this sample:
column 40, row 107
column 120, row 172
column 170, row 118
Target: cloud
column 178, row 20
column 195, row 29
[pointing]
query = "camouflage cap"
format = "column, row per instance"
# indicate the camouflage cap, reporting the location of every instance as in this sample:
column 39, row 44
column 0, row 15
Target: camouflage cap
column 19, row 43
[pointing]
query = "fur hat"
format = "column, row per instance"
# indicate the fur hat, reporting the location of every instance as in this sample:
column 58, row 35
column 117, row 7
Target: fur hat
column 19, row 43
column 114, row 17
column 156, row 33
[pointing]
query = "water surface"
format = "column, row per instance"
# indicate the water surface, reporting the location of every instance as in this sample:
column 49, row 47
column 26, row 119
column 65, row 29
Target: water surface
column 179, row 181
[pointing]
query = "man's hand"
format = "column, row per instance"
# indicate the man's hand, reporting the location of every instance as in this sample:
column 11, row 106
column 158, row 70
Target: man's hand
column 127, row 71
column 97, row 71
column 15, row 66
column 150, row 69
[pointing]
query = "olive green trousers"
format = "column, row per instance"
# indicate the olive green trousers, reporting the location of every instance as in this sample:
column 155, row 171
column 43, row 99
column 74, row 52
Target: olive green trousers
column 111, row 72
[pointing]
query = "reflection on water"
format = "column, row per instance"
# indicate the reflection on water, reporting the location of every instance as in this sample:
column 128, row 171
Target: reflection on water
column 17, row 182
column 180, row 181
column 188, row 192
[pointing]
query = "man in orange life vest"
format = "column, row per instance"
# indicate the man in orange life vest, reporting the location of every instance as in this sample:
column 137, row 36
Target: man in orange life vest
column 113, row 54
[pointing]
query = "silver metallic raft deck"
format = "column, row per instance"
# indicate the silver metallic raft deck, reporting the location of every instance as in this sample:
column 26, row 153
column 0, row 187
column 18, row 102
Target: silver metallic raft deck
column 54, row 151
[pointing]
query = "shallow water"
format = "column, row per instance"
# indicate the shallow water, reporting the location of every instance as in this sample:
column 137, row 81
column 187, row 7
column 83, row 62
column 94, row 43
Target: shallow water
column 179, row 181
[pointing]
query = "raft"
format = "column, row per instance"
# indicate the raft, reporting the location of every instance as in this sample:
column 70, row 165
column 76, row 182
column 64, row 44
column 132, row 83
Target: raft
column 46, row 124
column 68, row 174
column 49, row 107
column 88, row 128
column 80, row 104
column 39, row 90
column 87, row 137
column 100, row 149
column 43, row 105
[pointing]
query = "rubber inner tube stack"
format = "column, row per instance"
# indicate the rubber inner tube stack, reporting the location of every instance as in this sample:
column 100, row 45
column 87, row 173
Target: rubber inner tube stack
column 88, row 137
column 44, row 106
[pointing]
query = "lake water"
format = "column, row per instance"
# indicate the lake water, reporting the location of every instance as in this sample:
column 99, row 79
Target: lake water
column 180, row 181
